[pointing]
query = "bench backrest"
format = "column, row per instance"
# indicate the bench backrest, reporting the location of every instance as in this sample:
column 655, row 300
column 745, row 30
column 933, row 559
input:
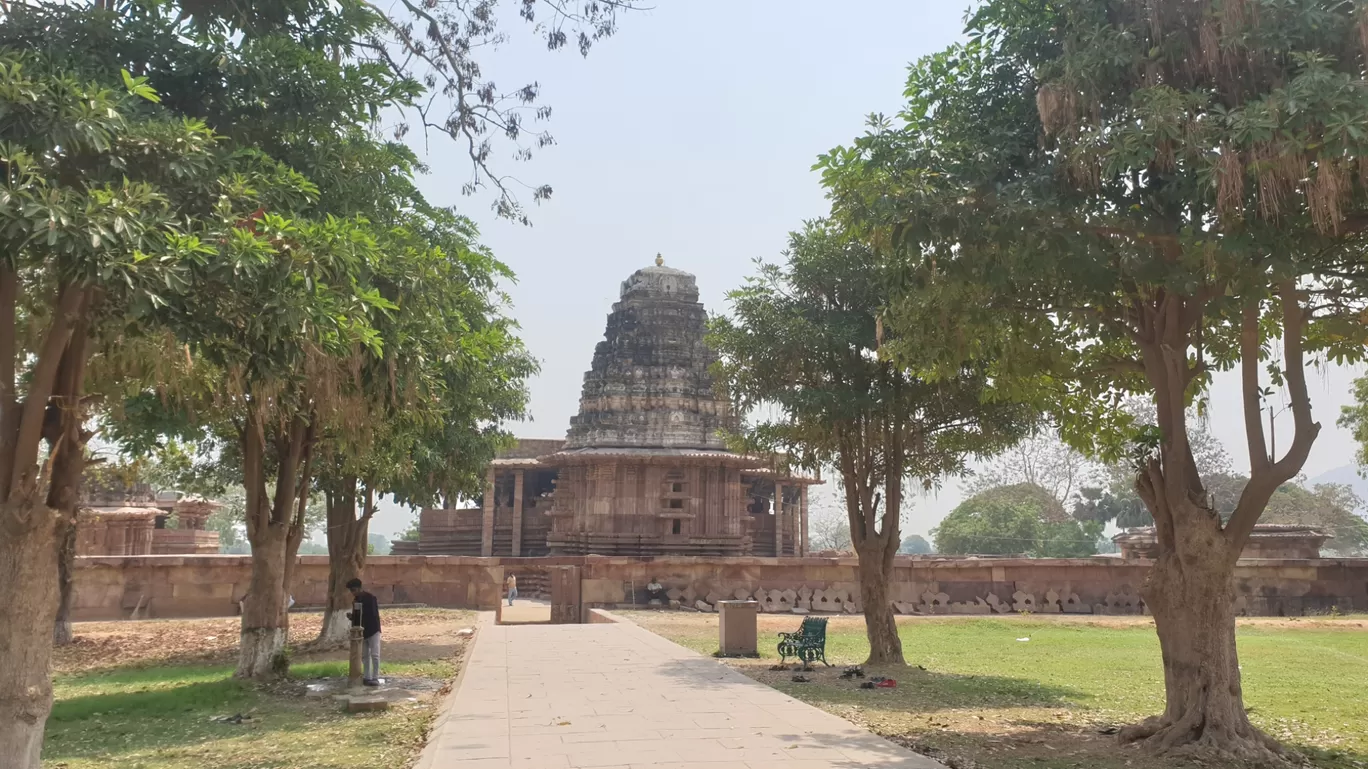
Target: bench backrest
column 814, row 627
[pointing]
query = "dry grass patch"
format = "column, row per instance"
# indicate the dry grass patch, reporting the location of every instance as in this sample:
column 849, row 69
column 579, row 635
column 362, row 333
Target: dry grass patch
column 409, row 634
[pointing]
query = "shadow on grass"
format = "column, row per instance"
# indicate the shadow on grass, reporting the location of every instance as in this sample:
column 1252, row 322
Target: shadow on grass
column 115, row 712
column 925, row 691
column 1035, row 744
column 919, row 690
column 154, row 713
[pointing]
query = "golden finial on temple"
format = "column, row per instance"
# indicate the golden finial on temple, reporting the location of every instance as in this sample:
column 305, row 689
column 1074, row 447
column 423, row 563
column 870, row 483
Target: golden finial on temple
column 660, row 260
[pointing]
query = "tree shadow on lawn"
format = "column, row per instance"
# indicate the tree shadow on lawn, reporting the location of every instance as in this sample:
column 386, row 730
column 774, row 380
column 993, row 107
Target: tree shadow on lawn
column 101, row 715
column 92, row 726
column 1047, row 745
column 919, row 690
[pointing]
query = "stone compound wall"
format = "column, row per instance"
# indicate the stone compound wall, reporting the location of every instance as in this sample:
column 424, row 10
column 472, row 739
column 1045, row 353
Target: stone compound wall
column 211, row 585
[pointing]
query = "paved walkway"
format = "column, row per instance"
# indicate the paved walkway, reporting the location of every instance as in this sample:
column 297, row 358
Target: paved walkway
column 615, row 695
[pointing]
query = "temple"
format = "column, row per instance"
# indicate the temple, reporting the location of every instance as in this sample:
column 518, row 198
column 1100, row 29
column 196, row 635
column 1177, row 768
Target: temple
column 644, row 468
column 132, row 519
column 1267, row 540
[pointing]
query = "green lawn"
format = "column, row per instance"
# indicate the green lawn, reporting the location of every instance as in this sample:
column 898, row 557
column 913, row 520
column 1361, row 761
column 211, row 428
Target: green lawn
column 1002, row 702
column 163, row 717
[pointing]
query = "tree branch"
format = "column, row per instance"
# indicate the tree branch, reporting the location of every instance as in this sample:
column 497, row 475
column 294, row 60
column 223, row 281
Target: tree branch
column 1250, row 354
column 9, row 404
column 41, row 381
column 1266, row 480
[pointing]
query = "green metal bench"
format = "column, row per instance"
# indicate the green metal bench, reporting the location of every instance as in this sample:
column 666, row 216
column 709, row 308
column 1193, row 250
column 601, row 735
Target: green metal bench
column 807, row 644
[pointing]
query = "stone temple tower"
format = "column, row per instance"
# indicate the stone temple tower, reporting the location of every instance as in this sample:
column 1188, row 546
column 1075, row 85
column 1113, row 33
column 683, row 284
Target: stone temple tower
column 645, row 468
column 649, row 385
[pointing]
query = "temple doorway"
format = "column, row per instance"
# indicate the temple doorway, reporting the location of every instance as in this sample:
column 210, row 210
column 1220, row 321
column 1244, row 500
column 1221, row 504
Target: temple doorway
column 547, row 595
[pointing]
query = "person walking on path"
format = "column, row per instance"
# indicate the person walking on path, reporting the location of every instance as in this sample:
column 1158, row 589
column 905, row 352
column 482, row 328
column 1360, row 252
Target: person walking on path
column 511, row 585
column 370, row 629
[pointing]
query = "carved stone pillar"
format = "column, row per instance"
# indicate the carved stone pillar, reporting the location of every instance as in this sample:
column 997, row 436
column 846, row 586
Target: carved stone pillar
column 778, row 520
column 803, row 512
column 517, row 512
column 487, row 521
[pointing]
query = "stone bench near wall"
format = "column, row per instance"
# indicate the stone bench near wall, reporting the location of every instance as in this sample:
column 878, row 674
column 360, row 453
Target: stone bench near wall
column 211, row 585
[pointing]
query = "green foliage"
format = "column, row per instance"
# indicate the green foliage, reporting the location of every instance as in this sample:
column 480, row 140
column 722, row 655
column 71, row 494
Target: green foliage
column 1103, row 506
column 1015, row 520
column 352, row 303
column 227, row 521
column 211, row 59
column 915, row 544
column 1093, row 198
column 806, row 344
column 1330, row 508
column 1354, row 418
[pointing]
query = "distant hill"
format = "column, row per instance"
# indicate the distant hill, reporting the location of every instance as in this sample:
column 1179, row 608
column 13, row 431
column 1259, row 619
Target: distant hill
column 1348, row 476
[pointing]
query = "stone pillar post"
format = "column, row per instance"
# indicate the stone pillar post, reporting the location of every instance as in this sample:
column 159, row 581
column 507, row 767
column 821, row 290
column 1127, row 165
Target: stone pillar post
column 517, row 512
column 778, row 520
column 803, row 515
column 487, row 521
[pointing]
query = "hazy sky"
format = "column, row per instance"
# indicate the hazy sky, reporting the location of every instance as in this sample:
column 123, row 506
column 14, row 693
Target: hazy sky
column 692, row 133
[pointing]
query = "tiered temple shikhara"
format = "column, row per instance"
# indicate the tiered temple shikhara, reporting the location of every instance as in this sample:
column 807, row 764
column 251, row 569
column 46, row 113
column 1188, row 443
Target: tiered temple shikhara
column 644, row 469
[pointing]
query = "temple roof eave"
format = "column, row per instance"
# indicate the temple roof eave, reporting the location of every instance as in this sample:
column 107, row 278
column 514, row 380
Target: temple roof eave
column 644, row 455
column 749, row 465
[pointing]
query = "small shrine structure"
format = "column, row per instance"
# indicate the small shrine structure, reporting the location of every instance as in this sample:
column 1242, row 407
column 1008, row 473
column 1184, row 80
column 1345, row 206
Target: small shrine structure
column 1268, row 540
column 132, row 519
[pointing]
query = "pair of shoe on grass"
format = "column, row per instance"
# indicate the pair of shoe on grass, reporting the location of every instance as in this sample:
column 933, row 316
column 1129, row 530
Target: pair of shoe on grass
column 879, row 682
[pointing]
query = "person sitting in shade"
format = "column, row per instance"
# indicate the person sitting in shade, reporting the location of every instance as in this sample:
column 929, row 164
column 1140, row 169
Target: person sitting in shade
column 370, row 630
column 655, row 591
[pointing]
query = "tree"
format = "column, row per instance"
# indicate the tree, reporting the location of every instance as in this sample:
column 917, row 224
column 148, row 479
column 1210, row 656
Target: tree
column 807, row 337
column 1008, row 520
column 828, row 529
column 1118, row 500
column 451, row 373
column 1329, row 508
column 292, row 327
column 117, row 210
column 1125, row 196
column 1354, row 418
column 439, row 43
column 989, row 523
column 1041, row 460
column 412, row 533
column 93, row 241
column 915, row 544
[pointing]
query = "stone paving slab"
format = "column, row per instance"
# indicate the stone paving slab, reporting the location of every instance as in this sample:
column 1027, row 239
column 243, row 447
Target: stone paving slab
column 615, row 695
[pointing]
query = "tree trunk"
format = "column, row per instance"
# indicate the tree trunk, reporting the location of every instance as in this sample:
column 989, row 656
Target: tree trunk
column 265, row 622
column 881, row 626
column 28, row 570
column 62, row 633
column 1189, row 592
column 347, row 537
column 275, row 528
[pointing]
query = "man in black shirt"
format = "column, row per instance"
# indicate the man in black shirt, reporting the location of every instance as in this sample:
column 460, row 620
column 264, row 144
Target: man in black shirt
column 370, row 628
